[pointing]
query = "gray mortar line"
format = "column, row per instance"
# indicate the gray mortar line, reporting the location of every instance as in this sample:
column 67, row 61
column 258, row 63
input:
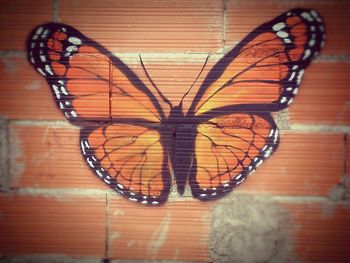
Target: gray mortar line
column 55, row 11
column 107, row 229
column 224, row 25
column 333, row 58
column 46, row 123
column 345, row 154
column 325, row 128
column 78, row 192
column 4, row 155
column 13, row 53
column 180, row 56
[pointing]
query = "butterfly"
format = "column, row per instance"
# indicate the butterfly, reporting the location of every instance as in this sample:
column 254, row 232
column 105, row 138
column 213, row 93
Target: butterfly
column 137, row 142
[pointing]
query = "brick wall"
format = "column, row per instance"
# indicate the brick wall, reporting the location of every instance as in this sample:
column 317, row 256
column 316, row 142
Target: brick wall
column 52, row 207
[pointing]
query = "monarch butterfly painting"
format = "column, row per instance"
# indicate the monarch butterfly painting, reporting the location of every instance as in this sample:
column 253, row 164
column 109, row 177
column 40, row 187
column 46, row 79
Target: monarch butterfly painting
column 141, row 144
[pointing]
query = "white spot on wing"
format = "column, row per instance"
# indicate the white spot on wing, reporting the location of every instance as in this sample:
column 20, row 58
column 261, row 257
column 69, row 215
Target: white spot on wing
column 39, row 30
column 282, row 34
column 259, row 163
column 301, row 73
column 90, row 162
column 41, row 71
column 278, row 26
column 87, row 144
column 307, row 53
column 292, row 76
column 57, row 92
column 45, row 33
column 283, row 100
column 64, row 91
column 82, row 147
column 312, row 42
column 72, row 48
column 74, row 40
column 99, row 173
column 107, row 182
column 48, row 69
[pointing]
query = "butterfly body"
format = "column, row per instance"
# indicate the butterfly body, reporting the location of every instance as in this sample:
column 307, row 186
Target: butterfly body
column 136, row 141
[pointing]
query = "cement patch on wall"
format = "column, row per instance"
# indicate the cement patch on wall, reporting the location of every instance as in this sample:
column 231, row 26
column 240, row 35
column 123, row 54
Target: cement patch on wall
column 247, row 228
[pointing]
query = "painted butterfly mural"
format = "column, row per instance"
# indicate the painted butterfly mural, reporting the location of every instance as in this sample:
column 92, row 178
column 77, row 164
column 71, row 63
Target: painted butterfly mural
column 142, row 145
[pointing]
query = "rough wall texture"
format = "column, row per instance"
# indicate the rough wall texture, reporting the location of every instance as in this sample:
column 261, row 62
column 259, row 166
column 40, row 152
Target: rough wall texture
column 296, row 207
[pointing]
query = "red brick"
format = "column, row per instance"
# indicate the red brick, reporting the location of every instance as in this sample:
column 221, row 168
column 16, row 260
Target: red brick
column 27, row 95
column 33, row 225
column 324, row 95
column 320, row 232
column 145, row 26
column 175, row 231
column 24, row 93
column 245, row 16
column 304, row 164
column 48, row 157
column 18, row 17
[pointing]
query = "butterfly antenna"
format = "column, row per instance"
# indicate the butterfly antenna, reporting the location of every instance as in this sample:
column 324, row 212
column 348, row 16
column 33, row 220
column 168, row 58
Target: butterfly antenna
column 154, row 85
column 194, row 82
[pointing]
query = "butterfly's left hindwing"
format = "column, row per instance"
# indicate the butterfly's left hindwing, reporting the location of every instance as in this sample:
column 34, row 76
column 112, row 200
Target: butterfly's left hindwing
column 129, row 158
column 228, row 149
